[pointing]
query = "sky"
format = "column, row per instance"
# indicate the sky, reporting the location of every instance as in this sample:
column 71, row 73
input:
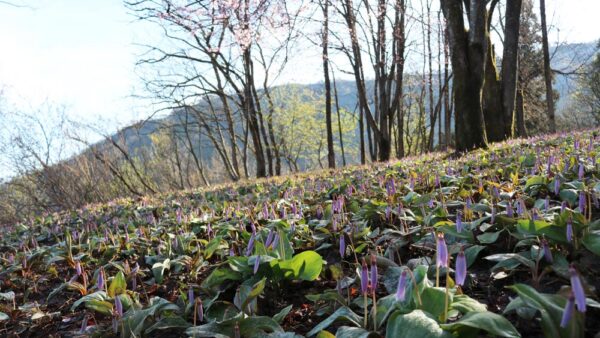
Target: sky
column 82, row 54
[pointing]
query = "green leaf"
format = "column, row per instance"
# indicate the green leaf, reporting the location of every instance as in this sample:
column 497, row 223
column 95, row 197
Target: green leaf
column 98, row 295
column 353, row 332
column 219, row 276
column 466, row 304
column 325, row 334
column 591, row 241
column 343, row 313
column 489, row 237
column 533, row 181
column 434, row 301
column 416, row 324
column 118, row 285
column 487, row 321
column 158, row 270
column 172, row 322
column 472, row 252
column 551, row 309
column 306, row 266
column 280, row 316
column 100, row 306
column 255, row 326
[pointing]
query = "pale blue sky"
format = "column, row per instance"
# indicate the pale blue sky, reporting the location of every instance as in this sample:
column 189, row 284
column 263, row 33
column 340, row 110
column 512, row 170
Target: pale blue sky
column 82, row 53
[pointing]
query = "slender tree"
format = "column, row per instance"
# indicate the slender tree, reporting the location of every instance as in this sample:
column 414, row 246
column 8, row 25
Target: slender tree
column 547, row 70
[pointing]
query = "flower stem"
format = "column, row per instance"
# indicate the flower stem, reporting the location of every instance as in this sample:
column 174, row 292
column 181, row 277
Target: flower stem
column 374, row 312
column 366, row 312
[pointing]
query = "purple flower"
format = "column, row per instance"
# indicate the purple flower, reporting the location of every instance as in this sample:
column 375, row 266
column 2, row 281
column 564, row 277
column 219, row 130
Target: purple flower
column 256, row 264
column 547, row 203
column 100, row 280
column 401, row 290
column 442, row 251
column 581, row 171
column 250, row 244
column 364, row 277
column 200, row 310
column 78, row 268
column 190, row 295
column 563, row 206
column 390, row 187
column 118, row 306
column 509, row 210
column 547, row 251
column 461, row 268
column 459, row 225
column 556, row 186
column 269, row 238
column 569, row 230
column 388, row 213
column 342, row 245
column 431, row 203
column 577, row 289
column 568, row 311
column 373, row 273
column 275, row 241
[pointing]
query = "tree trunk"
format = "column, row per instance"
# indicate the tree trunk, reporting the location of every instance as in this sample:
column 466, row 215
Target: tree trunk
column 520, row 115
column 339, row 120
column 510, row 64
column 547, row 70
column 330, row 151
column 468, row 54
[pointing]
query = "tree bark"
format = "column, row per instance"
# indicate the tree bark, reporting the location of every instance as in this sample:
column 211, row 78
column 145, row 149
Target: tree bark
column 547, row 70
column 325, row 36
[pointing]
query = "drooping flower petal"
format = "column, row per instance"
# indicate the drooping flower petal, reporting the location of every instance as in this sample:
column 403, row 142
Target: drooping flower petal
column 459, row 225
column 256, row 264
column 577, row 288
column 568, row 311
column 364, row 277
column 442, row 251
column 461, row 268
column 547, row 251
column 374, row 276
column 401, row 290
column 250, row 244
column 118, row 306
column 190, row 295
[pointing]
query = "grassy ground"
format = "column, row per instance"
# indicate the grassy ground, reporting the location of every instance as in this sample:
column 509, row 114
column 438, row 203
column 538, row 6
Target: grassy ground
column 283, row 257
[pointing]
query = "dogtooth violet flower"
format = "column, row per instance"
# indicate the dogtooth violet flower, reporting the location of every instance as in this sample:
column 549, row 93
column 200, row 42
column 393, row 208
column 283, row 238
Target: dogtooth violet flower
column 441, row 251
column 459, row 225
column 364, row 277
column 373, row 272
column 577, row 288
column 461, row 267
column 568, row 311
column 401, row 290
column 569, row 230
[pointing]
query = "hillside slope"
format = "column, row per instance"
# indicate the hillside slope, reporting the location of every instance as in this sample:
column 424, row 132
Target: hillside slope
column 517, row 225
